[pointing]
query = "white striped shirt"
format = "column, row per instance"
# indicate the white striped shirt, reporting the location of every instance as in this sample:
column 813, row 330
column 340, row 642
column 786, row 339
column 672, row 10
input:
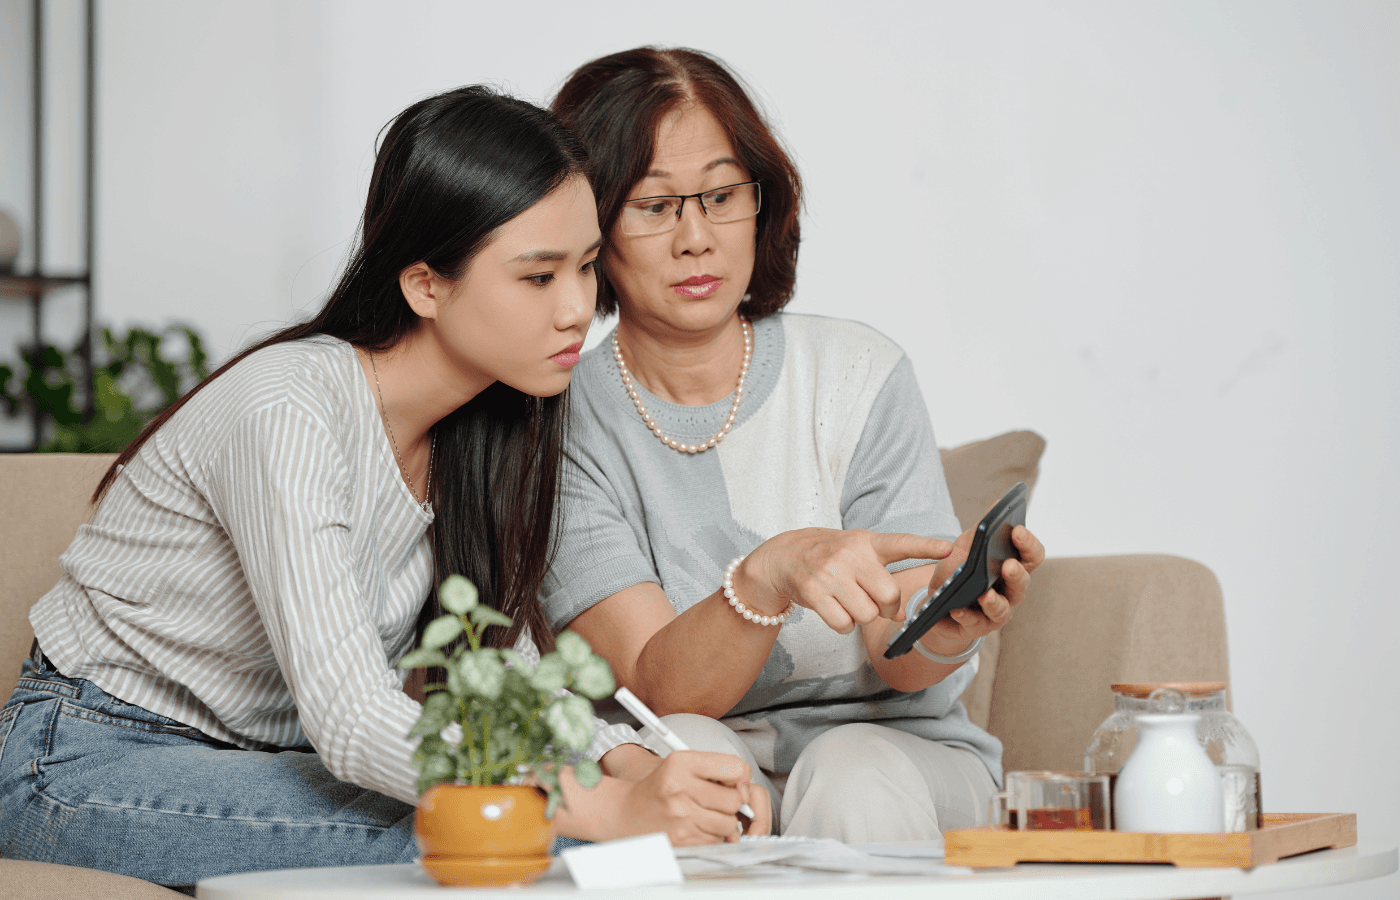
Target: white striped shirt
column 256, row 570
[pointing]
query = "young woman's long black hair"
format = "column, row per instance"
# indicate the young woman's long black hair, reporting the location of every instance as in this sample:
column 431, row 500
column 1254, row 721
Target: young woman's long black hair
column 450, row 171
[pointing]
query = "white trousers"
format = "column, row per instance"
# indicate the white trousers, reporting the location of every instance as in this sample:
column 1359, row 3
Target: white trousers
column 858, row 783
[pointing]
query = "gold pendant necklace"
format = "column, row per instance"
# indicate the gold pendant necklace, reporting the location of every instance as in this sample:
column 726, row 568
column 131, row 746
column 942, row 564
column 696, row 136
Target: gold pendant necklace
column 426, row 503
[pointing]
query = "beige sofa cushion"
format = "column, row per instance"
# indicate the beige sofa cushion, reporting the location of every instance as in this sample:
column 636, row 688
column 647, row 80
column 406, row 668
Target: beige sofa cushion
column 1043, row 681
column 978, row 474
column 1091, row 622
column 46, row 881
column 43, row 500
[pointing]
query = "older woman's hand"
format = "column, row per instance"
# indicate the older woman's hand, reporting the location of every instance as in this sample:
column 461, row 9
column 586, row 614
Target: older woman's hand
column 839, row 575
column 994, row 609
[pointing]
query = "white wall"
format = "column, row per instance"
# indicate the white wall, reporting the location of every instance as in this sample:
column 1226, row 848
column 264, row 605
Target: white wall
column 1164, row 236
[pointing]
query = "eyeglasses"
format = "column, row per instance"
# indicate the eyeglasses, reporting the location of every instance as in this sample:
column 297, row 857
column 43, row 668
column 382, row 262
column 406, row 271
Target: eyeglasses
column 657, row 215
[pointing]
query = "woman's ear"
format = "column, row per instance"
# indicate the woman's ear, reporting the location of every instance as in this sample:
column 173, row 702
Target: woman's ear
column 424, row 290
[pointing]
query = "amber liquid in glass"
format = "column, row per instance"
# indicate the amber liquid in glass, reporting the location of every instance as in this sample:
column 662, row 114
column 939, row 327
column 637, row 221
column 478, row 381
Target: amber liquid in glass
column 1077, row 819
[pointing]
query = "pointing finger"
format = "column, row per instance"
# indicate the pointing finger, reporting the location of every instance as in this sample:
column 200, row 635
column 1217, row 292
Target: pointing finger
column 896, row 547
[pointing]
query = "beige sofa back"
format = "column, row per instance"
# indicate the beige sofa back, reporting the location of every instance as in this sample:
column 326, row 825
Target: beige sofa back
column 43, row 500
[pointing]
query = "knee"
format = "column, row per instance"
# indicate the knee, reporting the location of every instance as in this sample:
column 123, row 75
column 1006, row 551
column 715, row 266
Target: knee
column 703, row 733
column 850, row 752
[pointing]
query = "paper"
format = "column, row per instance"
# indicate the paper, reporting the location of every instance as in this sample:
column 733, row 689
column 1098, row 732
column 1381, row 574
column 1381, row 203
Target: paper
column 764, row 855
column 629, row 862
column 756, row 851
column 905, row 849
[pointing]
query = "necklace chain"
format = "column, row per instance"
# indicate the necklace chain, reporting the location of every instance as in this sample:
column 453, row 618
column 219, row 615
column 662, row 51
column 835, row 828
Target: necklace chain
column 671, row 442
column 426, row 503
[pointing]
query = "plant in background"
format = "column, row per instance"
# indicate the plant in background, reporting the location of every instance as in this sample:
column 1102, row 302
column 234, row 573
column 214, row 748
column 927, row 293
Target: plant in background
column 133, row 381
column 515, row 718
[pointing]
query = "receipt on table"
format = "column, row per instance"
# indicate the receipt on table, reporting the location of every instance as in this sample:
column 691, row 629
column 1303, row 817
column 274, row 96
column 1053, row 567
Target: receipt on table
column 912, row 858
column 755, row 851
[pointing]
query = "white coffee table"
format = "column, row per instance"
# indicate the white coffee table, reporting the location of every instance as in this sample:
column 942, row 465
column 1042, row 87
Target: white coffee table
column 1059, row 881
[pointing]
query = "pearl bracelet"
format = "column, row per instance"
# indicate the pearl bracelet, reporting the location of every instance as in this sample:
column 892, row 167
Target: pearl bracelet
column 743, row 610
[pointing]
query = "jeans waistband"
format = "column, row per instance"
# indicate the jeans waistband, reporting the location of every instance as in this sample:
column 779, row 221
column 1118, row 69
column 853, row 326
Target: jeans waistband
column 41, row 662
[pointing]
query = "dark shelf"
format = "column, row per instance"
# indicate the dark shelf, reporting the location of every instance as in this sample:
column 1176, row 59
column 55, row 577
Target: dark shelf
column 35, row 287
column 31, row 285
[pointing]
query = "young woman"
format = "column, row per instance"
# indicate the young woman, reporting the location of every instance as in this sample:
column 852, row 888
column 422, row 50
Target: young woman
column 717, row 443
column 213, row 687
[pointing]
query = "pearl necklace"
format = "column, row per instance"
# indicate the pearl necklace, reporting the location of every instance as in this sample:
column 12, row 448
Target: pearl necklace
column 656, row 429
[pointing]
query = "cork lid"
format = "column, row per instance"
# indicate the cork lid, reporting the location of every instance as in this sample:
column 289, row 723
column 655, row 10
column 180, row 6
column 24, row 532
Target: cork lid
column 1144, row 689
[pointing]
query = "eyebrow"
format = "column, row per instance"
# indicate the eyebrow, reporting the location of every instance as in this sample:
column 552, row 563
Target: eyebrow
column 553, row 255
column 709, row 167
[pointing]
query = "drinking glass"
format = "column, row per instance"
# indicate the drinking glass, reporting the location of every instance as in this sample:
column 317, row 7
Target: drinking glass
column 1051, row 801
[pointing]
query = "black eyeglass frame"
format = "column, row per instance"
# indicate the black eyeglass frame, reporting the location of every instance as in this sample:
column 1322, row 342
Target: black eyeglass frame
column 700, row 198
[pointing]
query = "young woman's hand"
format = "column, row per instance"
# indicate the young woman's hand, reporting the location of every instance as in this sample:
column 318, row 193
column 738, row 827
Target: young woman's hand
column 630, row 762
column 695, row 798
column 839, row 575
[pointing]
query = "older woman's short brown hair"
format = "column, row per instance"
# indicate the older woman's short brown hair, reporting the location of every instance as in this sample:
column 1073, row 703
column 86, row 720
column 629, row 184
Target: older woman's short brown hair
column 616, row 103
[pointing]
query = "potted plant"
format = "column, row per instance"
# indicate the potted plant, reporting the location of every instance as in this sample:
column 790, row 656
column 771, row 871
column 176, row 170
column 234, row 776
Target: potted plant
column 495, row 735
column 134, row 377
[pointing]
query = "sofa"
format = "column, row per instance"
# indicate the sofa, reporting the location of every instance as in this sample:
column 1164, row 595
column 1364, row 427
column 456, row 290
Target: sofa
column 1042, row 685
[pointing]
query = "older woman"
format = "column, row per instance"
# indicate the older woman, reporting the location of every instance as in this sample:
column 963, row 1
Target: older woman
column 754, row 496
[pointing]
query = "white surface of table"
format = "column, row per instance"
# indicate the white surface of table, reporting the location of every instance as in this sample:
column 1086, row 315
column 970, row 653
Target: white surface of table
column 1056, row 881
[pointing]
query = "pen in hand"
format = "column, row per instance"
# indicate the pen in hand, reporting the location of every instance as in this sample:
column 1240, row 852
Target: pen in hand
column 668, row 737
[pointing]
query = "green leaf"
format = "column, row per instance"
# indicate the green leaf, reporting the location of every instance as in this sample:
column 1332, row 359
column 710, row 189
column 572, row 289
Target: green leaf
column 515, row 661
column 550, row 675
column 457, row 595
column 421, row 657
column 594, row 679
column 503, row 741
column 436, row 769
column 553, row 805
column 573, row 648
column 430, row 746
column 570, row 719
column 455, row 685
column 588, row 772
column 437, row 712
column 441, row 631
column 483, row 672
column 485, row 615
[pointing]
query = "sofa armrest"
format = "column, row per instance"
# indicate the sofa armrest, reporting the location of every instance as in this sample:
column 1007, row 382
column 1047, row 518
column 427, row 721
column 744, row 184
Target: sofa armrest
column 43, row 500
column 1090, row 622
column 43, row 881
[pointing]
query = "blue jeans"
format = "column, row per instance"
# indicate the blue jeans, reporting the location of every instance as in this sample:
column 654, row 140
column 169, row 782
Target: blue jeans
column 88, row 780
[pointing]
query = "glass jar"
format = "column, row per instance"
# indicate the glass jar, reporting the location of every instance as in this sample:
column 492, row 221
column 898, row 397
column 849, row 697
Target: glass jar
column 1224, row 739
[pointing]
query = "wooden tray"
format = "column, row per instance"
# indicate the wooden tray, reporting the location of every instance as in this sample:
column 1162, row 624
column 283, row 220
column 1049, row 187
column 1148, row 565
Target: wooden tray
column 1283, row 834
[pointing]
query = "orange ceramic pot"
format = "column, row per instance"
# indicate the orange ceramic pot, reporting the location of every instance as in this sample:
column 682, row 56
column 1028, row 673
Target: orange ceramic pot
column 484, row 834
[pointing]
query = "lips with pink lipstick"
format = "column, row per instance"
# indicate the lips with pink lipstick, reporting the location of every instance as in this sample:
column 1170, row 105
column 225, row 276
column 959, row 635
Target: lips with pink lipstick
column 568, row 356
column 699, row 287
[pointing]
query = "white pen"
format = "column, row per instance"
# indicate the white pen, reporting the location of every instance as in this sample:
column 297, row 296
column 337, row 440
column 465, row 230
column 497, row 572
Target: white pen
column 668, row 737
